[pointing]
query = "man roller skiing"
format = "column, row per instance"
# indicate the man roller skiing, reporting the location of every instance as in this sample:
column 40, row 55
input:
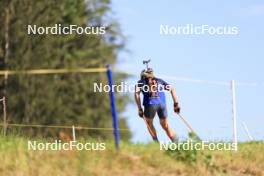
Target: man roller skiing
column 154, row 102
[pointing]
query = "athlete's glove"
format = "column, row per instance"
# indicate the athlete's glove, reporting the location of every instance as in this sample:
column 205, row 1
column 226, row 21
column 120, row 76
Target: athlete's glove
column 140, row 112
column 177, row 108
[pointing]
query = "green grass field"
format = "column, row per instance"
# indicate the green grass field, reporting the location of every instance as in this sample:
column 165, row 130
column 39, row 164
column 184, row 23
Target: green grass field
column 132, row 159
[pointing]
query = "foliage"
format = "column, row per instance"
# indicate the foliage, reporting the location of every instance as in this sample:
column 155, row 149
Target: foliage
column 191, row 156
column 64, row 99
column 132, row 159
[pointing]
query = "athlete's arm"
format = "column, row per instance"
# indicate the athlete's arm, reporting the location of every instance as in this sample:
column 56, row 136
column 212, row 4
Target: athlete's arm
column 173, row 95
column 138, row 101
column 172, row 90
column 176, row 106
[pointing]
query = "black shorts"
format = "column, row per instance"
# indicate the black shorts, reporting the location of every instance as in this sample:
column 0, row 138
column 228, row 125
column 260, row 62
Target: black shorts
column 151, row 110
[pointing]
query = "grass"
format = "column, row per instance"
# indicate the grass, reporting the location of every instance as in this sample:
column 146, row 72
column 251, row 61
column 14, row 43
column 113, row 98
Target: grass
column 132, row 159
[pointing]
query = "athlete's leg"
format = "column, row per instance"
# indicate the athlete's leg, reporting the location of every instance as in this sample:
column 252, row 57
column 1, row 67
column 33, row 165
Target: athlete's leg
column 167, row 129
column 163, row 114
column 151, row 128
column 149, row 114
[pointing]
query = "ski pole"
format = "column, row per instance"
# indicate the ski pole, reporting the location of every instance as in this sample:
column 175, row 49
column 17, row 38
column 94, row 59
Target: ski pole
column 187, row 124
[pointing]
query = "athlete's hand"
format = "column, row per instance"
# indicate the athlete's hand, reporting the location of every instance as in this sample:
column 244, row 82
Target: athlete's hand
column 140, row 112
column 177, row 108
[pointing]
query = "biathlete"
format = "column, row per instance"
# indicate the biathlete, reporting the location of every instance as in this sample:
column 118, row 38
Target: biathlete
column 154, row 101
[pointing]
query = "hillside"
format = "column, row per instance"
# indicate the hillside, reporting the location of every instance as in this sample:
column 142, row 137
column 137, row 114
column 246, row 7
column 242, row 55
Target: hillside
column 132, row 159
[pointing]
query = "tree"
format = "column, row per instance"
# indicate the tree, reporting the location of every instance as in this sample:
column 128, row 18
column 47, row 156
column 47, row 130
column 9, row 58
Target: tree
column 63, row 99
